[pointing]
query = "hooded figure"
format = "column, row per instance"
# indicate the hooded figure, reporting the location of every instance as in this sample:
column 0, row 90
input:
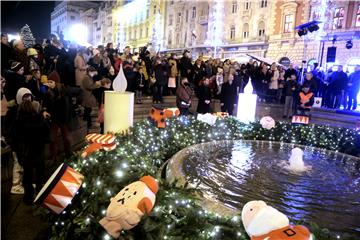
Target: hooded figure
column 264, row 222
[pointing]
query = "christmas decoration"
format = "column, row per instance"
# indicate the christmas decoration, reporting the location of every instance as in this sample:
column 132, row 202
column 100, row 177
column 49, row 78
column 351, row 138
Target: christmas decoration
column 158, row 115
column 264, row 222
column 267, row 122
column 99, row 141
column 300, row 119
column 27, row 36
column 221, row 114
column 129, row 205
column 178, row 213
column 246, row 105
column 60, row 189
column 207, row 118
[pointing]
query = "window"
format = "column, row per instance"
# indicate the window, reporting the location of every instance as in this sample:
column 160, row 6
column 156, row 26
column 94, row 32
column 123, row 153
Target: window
column 187, row 15
column 141, row 32
column 178, row 19
column 154, row 9
column 170, row 38
column 263, row 4
column 288, row 23
column 135, row 34
column 232, row 32
column 147, row 32
column 234, row 7
column 124, row 36
column 247, row 5
column 177, row 38
column 261, row 29
column 171, row 20
column 338, row 18
column 147, row 13
column 72, row 17
column 357, row 23
column 171, row 2
column 193, row 12
column 246, row 30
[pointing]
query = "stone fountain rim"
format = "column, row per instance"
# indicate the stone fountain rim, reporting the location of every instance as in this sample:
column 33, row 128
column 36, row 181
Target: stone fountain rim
column 174, row 172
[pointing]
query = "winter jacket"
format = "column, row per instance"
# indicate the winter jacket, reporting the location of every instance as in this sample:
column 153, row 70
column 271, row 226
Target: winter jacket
column 338, row 81
column 290, row 87
column 274, row 84
column 13, row 83
column 88, row 85
column 204, row 95
column 173, row 68
column 161, row 74
column 354, row 81
column 228, row 94
column 80, row 69
column 183, row 95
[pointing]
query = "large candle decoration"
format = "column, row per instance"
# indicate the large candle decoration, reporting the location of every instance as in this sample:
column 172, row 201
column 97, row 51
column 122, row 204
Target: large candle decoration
column 119, row 106
column 246, row 107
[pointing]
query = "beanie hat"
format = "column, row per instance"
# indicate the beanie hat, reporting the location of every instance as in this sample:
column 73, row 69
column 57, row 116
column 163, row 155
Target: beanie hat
column 16, row 66
column 54, row 75
column 43, row 79
column 20, row 94
column 31, row 52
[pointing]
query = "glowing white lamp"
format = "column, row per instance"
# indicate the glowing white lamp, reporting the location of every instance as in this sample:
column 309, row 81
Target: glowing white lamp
column 246, row 107
column 119, row 106
column 78, row 33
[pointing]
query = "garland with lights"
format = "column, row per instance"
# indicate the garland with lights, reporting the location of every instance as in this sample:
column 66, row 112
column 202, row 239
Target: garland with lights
column 177, row 214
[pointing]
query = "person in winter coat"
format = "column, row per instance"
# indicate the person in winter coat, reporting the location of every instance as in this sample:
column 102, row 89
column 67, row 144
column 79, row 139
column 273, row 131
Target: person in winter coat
column 353, row 88
column 173, row 73
column 33, row 59
column 306, row 99
column 228, row 96
column 56, row 109
column 140, row 81
column 185, row 66
column 80, row 67
column 274, row 84
column 30, row 133
column 290, row 90
column 183, row 96
column 204, row 95
column 6, row 52
column 337, row 85
column 20, row 55
column 89, row 101
column 161, row 71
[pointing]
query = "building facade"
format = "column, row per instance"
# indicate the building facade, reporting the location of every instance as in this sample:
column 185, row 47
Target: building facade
column 103, row 23
column 138, row 23
column 66, row 14
column 340, row 23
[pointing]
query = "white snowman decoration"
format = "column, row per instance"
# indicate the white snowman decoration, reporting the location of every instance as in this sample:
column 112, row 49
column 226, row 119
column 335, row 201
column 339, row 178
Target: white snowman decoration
column 267, row 122
column 129, row 205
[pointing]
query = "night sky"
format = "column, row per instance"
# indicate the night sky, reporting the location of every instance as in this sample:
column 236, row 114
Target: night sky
column 15, row 14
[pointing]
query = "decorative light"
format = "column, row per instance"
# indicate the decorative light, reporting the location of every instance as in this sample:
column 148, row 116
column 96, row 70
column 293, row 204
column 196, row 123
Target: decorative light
column 246, row 107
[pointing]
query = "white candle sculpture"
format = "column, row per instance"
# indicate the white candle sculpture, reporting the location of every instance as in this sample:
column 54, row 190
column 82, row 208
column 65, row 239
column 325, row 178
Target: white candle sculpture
column 119, row 106
column 246, row 107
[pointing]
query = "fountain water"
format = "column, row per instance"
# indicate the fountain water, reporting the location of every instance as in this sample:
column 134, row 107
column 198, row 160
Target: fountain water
column 296, row 160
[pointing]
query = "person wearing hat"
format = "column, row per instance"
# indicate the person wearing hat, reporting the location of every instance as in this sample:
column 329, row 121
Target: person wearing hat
column 29, row 134
column 33, row 59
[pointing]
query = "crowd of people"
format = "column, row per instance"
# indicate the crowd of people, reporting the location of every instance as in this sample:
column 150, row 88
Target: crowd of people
column 44, row 85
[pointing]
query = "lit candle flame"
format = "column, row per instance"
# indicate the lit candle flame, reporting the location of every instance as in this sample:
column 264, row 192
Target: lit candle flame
column 248, row 88
column 120, row 82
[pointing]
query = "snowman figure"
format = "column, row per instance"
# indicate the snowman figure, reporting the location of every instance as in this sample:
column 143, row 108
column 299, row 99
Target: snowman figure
column 129, row 205
column 263, row 222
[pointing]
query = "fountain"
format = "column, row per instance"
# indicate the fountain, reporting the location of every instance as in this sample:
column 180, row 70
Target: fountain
column 296, row 160
column 230, row 173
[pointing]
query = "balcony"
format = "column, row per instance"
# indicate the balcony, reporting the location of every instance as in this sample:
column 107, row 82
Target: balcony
column 203, row 19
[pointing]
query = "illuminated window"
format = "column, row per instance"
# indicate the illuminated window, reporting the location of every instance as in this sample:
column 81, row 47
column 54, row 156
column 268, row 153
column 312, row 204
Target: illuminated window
column 263, row 3
column 261, row 29
column 246, row 30
column 288, row 23
column 171, row 20
column 232, row 32
column 193, row 12
column 247, row 5
column 154, row 9
column 178, row 19
column 338, row 18
column 357, row 23
column 234, row 7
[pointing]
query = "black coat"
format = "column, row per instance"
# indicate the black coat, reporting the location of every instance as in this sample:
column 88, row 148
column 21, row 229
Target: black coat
column 161, row 74
column 13, row 83
column 204, row 93
column 228, row 94
column 29, row 134
column 186, row 68
column 57, row 102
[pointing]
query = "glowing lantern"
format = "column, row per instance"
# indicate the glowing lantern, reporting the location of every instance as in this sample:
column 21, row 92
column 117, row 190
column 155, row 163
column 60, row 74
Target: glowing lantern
column 246, row 107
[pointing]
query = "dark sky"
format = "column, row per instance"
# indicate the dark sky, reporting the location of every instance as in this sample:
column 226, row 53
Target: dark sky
column 15, row 14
